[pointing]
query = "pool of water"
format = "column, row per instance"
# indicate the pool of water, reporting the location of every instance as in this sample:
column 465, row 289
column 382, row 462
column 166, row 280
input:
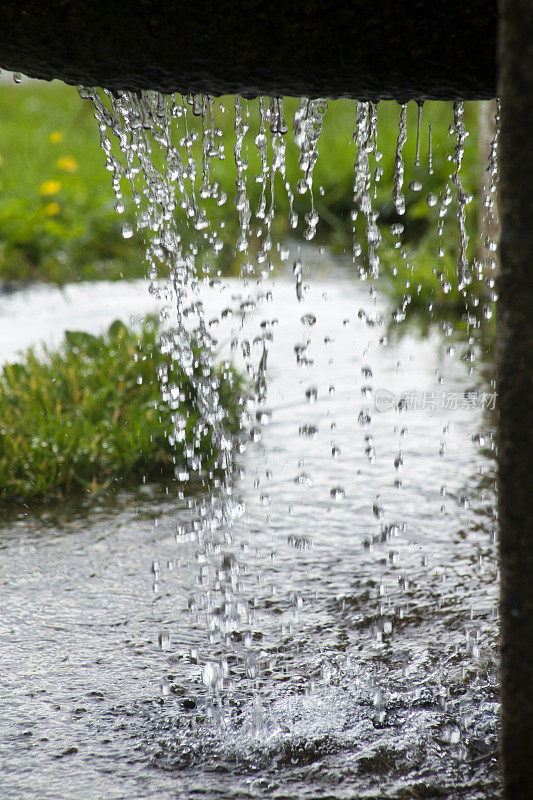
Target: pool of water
column 338, row 641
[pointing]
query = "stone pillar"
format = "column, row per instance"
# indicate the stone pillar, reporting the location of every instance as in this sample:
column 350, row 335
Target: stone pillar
column 515, row 393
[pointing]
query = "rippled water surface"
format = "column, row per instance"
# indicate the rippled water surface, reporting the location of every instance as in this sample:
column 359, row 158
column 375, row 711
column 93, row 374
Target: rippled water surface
column 339, row 641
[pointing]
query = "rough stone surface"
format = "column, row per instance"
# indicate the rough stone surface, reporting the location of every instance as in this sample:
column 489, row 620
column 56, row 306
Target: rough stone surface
column 403, row 49
column 515, row 340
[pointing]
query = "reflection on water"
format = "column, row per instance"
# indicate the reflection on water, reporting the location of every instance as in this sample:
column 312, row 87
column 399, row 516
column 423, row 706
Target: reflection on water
column 350, row 615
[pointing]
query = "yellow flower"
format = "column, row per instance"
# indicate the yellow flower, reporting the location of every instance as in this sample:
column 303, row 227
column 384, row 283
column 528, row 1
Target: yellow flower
column 51, row 209
column 55, row 137
column 67, row 164
column 50, row 187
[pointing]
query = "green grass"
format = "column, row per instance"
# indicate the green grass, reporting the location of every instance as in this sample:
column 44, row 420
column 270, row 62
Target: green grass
column 57, row 220
column 57, row 217
column 89, row 416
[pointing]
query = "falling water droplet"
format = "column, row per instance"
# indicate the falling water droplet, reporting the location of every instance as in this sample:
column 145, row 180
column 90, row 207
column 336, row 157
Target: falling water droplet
column 263, row 416
column 308, row 431
column 418, row 127
column 212, row 676
column 303, row 479
column 255, row 434
column 308, row 320
column 397, row 196
column 311, row 394
column 462, row 199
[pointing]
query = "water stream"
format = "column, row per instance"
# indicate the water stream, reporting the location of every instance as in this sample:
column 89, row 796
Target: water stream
column 324, row 622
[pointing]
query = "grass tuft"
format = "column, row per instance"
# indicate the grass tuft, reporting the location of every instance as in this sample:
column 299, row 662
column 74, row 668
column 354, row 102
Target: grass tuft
column 89, row 415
